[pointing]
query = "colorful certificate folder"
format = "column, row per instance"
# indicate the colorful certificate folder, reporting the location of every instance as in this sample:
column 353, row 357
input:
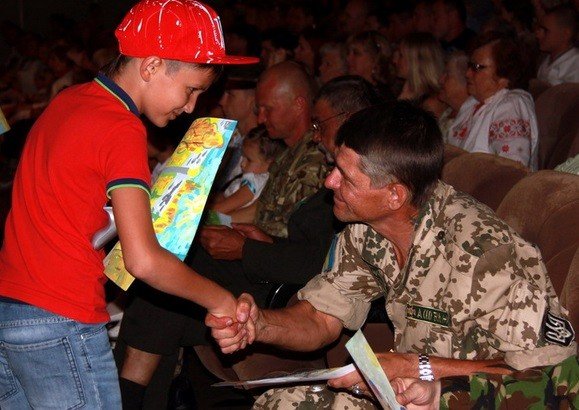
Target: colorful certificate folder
column 180, row 192
column 4, row 127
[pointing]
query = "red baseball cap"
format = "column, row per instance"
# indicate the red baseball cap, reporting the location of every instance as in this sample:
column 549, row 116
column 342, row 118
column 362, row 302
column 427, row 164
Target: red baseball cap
column 184, row 30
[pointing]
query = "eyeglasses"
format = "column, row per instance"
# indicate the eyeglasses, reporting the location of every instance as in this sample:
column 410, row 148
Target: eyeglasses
column 317, row 124
column 476, row 67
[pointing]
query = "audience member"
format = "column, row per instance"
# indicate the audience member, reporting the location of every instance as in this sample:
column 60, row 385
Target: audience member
column 556, row 33
column 369, row 57
column 336, row 101
column 354, row 17
column 400, row 22
column 307, row 50
column 237, row 103
column 499, row 117
column 258, row 153
column 283, row 99
column 87, row 147
column 464, row 291
column 571, row 165
column 300, row 16
column 423, row 16
column 277, row 45
column 243, row 39
column 449, row 25
column 419, row 61
column 63, row 69
column 454, row 91
column 332, row 61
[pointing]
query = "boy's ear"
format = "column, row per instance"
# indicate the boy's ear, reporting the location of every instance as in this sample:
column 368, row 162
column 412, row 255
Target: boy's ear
column 149, row 67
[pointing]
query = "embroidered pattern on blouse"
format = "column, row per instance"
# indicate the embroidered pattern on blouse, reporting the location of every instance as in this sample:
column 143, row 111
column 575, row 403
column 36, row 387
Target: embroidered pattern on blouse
column 509, row 129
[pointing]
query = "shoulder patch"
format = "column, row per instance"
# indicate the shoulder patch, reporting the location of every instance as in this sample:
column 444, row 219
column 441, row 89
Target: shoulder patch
column 329, row 262
column 557, row 330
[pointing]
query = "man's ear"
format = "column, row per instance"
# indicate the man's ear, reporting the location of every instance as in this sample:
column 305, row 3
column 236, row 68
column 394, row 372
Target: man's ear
column 397, row 195
column 300, row 103
column 149, row 67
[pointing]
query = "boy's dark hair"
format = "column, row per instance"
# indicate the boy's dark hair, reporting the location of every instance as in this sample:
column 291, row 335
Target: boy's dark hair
column 120, row 61
column 268, row 147
column 396, row 141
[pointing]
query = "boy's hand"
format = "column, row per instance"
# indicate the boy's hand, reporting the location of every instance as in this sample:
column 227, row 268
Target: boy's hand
column 232, row 337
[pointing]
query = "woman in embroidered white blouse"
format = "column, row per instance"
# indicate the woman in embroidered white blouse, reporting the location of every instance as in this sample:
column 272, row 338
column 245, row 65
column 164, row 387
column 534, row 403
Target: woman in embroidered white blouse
column 499, row 116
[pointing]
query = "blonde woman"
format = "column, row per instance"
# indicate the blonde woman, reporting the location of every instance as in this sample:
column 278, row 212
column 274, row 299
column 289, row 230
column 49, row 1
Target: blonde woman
column 369, row 57
column 419, row 61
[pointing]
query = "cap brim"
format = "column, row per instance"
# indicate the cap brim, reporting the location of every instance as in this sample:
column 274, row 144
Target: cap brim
column 234, row 60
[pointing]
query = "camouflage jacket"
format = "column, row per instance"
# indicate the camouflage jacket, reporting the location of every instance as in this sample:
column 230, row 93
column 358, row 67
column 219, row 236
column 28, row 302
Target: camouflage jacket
column 295, row 175
column 471, row 288
column 552, row 387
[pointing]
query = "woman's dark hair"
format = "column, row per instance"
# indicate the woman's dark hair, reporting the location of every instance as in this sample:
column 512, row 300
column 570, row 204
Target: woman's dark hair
column 509, row 56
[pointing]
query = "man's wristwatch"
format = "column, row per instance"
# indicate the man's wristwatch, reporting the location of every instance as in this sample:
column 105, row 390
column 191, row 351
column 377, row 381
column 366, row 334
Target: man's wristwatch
column 424, row 368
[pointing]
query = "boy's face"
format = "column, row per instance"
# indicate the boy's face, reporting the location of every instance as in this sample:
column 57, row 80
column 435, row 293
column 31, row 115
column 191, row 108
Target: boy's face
column 169, row 94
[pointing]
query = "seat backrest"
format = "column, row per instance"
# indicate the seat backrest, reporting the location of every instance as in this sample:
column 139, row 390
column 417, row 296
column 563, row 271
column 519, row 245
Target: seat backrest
column 544, row 207
column 558, row 123
column 451, row 152
column 486, row 177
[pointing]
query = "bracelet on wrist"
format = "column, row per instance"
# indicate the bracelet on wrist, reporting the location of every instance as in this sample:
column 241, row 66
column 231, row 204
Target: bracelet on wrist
column 424, row 368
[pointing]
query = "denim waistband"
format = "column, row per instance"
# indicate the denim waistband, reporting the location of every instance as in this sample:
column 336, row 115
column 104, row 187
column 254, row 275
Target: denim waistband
column 6, row 299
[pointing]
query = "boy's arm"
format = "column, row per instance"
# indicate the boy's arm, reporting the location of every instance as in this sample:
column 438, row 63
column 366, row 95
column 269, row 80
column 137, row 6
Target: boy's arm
column 146, row 260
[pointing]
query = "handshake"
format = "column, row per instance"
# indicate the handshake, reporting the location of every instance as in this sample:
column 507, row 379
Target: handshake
column 233, row 335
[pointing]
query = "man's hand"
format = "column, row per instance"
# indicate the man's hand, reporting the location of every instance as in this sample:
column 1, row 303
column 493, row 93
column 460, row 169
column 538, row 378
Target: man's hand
column 417, row 394
column 232, row 337
column 252, row 232
column 222, row 242
column 394, row 365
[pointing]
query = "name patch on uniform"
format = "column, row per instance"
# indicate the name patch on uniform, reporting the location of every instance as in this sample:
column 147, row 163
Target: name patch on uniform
column 557, row 330
column 428, row 314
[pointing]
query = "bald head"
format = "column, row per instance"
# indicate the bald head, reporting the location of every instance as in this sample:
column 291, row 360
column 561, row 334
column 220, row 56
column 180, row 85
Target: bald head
column 284, row 98
column 291, row 78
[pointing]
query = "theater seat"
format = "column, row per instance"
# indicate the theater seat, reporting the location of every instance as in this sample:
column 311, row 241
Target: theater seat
column 558, row 122
column 544, row 209
column 486, row 177
column 451, row 152
column 570, row 293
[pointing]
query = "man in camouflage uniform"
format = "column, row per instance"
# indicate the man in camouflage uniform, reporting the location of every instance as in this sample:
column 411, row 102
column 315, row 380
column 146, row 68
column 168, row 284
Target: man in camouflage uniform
column 284, row 102
column 460, row 285
column 554, row 387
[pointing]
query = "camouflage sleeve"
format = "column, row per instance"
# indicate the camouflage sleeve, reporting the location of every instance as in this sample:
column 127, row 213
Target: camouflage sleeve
column 278, row 200
column 511, row 299
column 346, row 287
column 551, row 387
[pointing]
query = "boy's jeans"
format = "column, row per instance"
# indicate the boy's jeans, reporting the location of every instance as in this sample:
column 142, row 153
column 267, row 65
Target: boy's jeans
column 51, row 362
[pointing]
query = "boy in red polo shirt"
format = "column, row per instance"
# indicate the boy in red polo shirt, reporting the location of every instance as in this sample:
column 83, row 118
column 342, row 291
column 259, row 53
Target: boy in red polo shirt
column 88, row 146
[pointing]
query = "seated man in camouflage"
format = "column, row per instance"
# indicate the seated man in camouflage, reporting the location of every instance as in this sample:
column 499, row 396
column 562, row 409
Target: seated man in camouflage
column 464, row 291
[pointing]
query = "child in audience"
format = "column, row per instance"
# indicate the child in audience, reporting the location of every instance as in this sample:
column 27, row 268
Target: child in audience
column 258, row 152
